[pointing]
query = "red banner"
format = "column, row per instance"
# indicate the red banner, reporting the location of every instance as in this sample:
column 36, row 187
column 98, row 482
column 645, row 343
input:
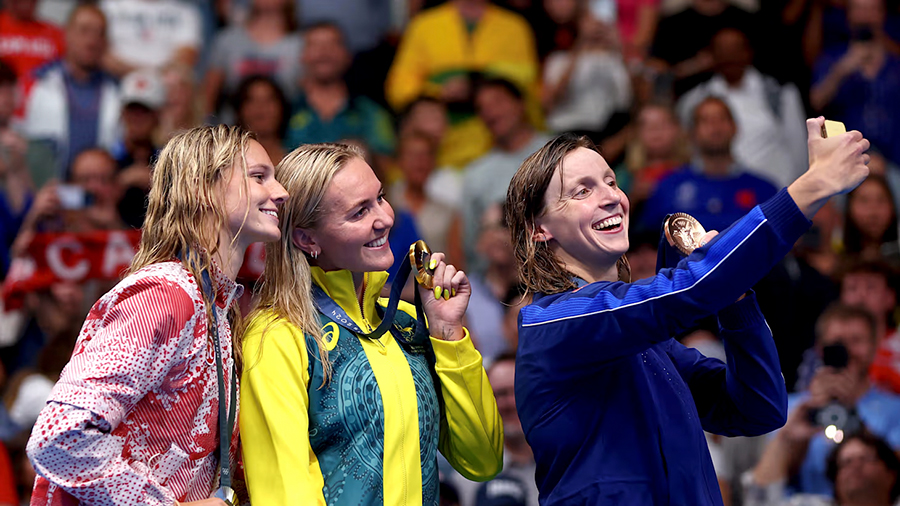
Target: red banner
column 105, row 255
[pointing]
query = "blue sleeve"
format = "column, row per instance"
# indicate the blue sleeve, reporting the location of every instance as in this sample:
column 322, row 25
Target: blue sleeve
column 745, row 396
column 613, row 320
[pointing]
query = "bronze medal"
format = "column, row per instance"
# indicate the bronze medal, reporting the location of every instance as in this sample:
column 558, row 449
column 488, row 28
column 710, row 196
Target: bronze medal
column 684, row 232
column 419, row 257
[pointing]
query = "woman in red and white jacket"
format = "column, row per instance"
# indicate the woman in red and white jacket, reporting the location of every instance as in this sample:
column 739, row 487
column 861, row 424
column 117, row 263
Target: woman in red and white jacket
column 135, row 417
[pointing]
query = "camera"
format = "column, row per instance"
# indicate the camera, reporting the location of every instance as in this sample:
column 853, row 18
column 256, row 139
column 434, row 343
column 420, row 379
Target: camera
column 835, row 356
column 834, row 416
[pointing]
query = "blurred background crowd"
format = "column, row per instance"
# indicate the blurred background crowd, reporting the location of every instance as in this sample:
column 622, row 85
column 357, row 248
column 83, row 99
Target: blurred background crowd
column 698, row 105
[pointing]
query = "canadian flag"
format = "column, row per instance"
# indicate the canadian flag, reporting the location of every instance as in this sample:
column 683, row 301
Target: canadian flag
column 80, row 257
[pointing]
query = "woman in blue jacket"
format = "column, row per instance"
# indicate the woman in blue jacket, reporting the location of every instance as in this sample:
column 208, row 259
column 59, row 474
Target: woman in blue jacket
column 613, row 407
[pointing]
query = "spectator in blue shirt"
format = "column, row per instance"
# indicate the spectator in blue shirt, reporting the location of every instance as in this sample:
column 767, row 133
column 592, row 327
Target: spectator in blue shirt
column 857, row 82
column 802, row 444
column 74, row 105
column 713, row 187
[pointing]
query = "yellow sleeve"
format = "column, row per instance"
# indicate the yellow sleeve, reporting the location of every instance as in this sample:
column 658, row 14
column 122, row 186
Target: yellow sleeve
column 471, row 429
column 280, row 466
column 407, row 78
column 519, row 62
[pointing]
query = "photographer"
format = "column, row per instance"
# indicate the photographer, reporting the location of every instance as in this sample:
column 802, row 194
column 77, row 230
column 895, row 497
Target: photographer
column 840, row 402
column 88, row 202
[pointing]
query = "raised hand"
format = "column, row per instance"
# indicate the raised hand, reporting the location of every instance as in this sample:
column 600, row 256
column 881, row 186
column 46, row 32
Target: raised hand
column 446, row 304
column 836, row 165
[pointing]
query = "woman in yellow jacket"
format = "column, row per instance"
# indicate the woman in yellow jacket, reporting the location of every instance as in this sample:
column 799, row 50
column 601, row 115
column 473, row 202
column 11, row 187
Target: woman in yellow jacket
column 334, row 409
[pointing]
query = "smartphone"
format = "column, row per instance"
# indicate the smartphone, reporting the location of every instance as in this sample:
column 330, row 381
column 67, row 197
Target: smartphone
column 604, row 10
column 72, row 197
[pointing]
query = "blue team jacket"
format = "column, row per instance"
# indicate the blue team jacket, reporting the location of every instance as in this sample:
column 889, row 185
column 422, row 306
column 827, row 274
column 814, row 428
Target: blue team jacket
column 615, row 409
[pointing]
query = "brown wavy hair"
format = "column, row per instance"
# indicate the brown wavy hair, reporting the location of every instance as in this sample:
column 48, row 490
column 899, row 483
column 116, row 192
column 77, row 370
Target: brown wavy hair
column 539, row 268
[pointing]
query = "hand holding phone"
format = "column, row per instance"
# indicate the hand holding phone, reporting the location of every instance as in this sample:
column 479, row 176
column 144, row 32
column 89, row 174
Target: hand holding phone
column 72, row 197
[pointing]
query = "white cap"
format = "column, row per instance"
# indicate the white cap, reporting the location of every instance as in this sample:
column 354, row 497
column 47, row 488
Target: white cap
column 144, row 87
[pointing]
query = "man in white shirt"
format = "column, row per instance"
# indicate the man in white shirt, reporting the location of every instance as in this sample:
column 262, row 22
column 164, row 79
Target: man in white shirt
column 151, row 33
column 771, row 138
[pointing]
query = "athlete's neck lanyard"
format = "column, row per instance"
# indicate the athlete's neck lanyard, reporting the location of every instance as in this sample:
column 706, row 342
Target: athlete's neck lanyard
column 328, row 307
column 226, row 421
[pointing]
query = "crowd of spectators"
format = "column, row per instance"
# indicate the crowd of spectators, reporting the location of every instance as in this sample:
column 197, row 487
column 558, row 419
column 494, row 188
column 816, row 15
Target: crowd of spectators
column 698, row 105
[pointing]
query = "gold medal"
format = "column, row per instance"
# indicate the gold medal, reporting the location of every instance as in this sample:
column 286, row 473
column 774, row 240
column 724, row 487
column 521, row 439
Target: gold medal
column 227, row 495
column 684, row 232
column 419, row 258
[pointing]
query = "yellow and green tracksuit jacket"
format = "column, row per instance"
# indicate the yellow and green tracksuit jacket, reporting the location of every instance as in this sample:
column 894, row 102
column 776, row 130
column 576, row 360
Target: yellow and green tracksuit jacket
column 438, row 46
column 369, row 435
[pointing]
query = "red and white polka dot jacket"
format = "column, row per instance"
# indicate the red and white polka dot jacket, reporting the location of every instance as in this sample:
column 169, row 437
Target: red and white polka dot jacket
column 134, row 416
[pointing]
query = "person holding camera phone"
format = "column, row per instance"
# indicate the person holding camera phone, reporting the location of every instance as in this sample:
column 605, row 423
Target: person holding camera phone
column 613, row 407
column 87, row 202
column 840, row 402
column 855, row 80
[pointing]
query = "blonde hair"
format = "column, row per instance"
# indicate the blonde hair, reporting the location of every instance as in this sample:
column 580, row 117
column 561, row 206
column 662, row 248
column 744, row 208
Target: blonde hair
column 185, row 213
column 539, row 268
column 306, row 173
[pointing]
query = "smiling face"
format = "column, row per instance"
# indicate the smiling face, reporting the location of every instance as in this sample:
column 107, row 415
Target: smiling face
column 586, row 216
column 353, row 232
column 253, row 219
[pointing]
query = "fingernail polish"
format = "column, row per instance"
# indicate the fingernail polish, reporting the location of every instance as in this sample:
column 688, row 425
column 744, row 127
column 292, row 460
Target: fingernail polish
column 446, row 294
column 453, row 292
column 432, row 264
column 437, row 293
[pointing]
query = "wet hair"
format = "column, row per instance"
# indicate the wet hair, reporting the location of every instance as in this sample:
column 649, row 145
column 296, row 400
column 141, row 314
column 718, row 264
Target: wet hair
column 539, row 269
column 185, row 210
